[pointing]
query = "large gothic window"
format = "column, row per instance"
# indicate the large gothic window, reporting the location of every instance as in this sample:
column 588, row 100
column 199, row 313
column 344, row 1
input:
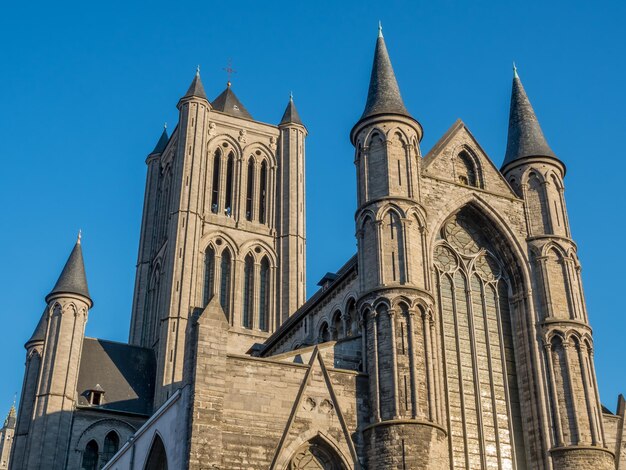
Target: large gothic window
column 248, row 291
column 377, row 174
column 215, row 189
column 111, row 445
column 481, row 382
column 90, row 456
column 264, row 300
column 225, row 281
column 315, row 455
column 209, row 274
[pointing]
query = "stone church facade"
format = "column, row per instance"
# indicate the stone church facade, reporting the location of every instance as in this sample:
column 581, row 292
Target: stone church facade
column 456, row 338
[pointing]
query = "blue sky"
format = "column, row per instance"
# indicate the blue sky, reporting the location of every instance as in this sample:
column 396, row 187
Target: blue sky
column 86, row 87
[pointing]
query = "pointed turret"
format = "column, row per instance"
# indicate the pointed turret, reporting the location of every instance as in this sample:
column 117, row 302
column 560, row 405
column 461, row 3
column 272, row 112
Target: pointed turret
column 383, row 96
column 73, row 279
column 290, row 115
column 525, row 138
column 162, row 143
column 39, row 334
column 196, row 89
column 228, row 103
column 9, row 422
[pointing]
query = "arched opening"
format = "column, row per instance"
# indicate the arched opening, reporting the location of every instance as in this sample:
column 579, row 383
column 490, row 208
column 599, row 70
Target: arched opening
column 337, row 329
column 264, row 300
column 209, row 275
column 476, row 274
column 90, row 456
column 157, row 457
column 228, row 202
column 250, row 189
column 248, row 291
column 393, row 243
column 263, row 193
column 225, row 281
column 537, row 206
column 324, row 334
column 215, row 189
column 111, row 446
column 377, row 174
column 316, row 455
column 466, row 170
column 352, row 323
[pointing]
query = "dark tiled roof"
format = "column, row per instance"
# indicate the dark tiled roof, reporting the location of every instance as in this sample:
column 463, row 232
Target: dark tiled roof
column 291, row 115
column 162, row 143
column 73, row 279
column 383, row 96
column 126, row 373
column 40, row 330
column 525, row 135
column 228, row 103
column 196, row 88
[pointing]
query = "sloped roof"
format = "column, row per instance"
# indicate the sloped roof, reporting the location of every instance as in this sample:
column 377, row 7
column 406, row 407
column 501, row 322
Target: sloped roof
column 40, row 330
column 228, row 103
column 196, row 88
column 162, row 143
column 73, row 279
column 125, row 373
column 290, row 116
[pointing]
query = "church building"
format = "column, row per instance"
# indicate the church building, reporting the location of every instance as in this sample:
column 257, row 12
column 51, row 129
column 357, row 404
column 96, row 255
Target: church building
column 457, row 337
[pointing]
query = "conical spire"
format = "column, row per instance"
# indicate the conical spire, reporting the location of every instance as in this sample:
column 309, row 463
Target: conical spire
column 73, row 279
column 10, row 420
column 39, row 334
column 228, row 103
column 291, row 115
column 525, row 135
column 383, row 96
column 196, row 88
column 162, row 143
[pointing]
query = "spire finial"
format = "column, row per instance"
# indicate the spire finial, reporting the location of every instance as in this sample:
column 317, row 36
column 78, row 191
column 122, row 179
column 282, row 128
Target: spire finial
column 164, row 125
column 198, row 70
column 230, row 71
column 380, row 29
column 515, row 75
column 80, row 235
column 291, row 96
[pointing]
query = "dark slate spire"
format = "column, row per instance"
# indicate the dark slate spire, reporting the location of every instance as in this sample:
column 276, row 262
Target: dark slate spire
column 525, row 136
column 73, row 279
column 162, row 143
column 228, row 103
column 383, row 96
column 39, row 335
column 196, row 88
column 291, row 115
column 9, row 422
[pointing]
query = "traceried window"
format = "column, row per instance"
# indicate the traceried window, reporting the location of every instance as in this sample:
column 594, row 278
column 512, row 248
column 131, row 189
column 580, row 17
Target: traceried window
column 248, row 291
column 225, row 281
column 315, row 455
column 481, row 380
column 90, row 456
column 111, row 445
column 250, row 189
column 264, row 300
column 215, row 189
column 209, row 275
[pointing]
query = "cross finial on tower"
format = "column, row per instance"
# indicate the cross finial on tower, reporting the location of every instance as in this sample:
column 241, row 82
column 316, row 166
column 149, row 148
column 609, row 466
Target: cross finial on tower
column 515, row 75
column 80, row 235
column 380, row 29
column 230, row 71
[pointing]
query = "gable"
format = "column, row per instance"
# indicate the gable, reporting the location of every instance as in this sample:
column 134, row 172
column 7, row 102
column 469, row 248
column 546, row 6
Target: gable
column 457, row 150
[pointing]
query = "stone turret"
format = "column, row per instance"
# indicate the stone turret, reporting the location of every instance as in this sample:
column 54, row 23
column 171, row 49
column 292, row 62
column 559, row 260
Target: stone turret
column 49, row 392
column 7, row 433
column 291, row 221
column 536, row 174
column 407, row 426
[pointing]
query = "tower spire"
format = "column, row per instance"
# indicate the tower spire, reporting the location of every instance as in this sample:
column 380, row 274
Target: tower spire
column 73, row 279
column 383, row 96
column 196, row 88
column 525, row 137
column 290, row 116
column 162, row 143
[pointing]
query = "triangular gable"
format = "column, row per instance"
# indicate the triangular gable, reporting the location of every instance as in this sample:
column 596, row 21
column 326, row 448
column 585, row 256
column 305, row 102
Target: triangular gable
column 315, row 413
column 440, row 161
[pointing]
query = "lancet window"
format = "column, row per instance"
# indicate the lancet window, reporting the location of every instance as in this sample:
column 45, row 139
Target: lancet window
column 225, row 281
column 215, row 188
column 250, row 189
column 90, row 456
column 248, row 291
column 209, row 275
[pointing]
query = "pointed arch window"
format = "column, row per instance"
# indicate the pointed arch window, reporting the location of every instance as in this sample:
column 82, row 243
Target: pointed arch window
column 262, row 193
column 111, row 445
column 264, row 300
column 225, row 268
column 250, row 189
column 157, row 458
column 466, row 170
column 209, row 274
column 215, row 189
column 248, row 290
column 90, row 456
column 228, row 203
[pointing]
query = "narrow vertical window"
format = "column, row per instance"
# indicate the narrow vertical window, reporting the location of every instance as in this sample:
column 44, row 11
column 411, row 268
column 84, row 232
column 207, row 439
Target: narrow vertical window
column 228, row 204
column 111, row 445
column 248, row 289
column 262, row 193
column 264, row 301
column 249, row 189
column 209, row 275
column 215, row 191
column 225, row 269
column 90, row 456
